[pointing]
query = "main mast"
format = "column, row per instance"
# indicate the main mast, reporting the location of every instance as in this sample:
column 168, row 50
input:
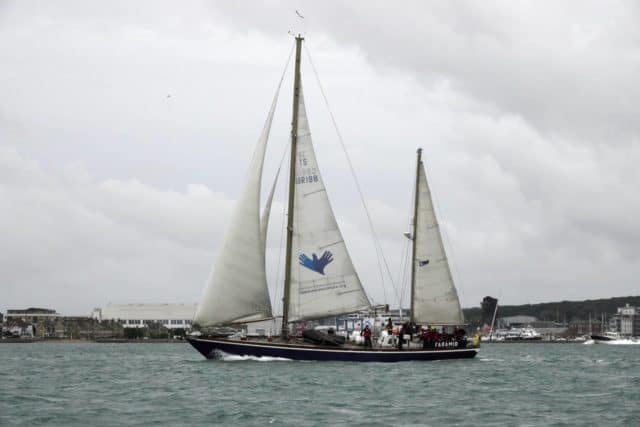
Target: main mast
column 292, row 182
column 413, row 237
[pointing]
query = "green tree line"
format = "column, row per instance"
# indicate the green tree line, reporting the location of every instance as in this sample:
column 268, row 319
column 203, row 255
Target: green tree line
column 550, row 311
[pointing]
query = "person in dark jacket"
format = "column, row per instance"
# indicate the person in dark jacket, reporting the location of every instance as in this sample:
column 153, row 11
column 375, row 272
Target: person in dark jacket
column 366, row 333
column 406, row 330
column 412, row 330
column 401, row 337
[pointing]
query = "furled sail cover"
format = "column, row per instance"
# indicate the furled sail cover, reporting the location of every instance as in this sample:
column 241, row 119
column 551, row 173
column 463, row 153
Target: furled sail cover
column 323, row 279
column 237, row 289
column 436, row 300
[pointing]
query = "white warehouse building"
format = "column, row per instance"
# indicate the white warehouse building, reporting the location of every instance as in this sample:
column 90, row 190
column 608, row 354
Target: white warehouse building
column 171, row 316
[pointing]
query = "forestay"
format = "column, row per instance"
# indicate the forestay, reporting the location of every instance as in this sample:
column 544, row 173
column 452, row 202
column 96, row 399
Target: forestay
column 323, row 279
column 237, row 288
column 435, row 298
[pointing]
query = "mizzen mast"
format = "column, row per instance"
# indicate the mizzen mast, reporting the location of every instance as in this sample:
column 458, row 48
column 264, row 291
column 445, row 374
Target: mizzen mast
column 292, row 182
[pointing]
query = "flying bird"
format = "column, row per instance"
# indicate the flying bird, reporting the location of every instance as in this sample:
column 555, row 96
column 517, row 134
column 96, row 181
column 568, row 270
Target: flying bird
column 298, row 13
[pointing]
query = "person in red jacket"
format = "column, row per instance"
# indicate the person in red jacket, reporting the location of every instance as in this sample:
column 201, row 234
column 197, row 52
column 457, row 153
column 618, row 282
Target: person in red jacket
column 366, row 333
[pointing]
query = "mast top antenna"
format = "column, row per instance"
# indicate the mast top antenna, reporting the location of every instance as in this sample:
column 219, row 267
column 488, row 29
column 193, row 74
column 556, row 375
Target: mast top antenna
column 298, row 36
column 293, row 33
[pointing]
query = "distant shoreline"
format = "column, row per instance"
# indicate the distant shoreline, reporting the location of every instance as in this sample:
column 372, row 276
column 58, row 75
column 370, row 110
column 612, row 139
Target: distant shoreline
column 166, row 341
column 532, row 342
column 97, row 341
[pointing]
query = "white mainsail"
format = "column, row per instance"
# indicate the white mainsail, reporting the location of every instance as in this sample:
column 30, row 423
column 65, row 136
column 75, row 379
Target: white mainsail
column 237, row 288
column 323, row 279
column 435, row 297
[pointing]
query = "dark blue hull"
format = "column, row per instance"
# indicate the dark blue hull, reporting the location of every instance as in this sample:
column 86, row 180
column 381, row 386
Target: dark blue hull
column 209, row 348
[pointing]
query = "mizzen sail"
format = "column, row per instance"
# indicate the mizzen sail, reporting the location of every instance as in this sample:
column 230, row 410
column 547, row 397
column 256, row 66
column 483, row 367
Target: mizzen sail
column 323, row 279
column 435, row 299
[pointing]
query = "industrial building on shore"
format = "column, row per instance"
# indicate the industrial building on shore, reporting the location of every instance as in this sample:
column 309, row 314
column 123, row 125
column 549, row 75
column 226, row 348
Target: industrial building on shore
column 626, row 321
column 171, row 316
column 112, row 321
column 32, row 314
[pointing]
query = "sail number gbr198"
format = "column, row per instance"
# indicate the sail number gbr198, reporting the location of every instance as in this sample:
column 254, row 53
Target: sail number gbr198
column 305, row 172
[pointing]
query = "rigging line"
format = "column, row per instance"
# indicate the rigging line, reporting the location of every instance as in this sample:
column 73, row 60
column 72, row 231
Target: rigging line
column 376, row 241
column 402, row 284
column 284, row 72
column 401, row 266
column 400, row 278
column 284, row 216
column 403, row 271
column 408, row 261
column 286, row 66
column 404, row 259
column 277, row 288
column 297, row 238
column 406, row 282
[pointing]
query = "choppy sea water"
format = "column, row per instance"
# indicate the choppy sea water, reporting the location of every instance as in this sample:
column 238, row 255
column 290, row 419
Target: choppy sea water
column 171, row 384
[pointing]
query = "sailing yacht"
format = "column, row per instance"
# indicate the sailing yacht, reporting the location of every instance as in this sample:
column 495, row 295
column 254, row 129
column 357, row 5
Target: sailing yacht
column 320, row 278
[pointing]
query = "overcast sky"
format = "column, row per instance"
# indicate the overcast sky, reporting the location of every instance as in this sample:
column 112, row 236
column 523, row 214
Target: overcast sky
column 126, row 129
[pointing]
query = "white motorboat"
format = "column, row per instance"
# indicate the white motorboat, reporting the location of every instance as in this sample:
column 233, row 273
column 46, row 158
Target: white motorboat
column 514, row 334
column 614, row 338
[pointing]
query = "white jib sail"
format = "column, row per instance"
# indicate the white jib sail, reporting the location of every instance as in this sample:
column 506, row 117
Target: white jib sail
column 266, row 211
column 237, row 288
column 435, row 297
column 323, row 279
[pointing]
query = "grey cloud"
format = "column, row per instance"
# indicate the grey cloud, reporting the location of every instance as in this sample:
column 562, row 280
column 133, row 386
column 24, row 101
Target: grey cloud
column 566, row 69
column 115, row 191
column 72, row 241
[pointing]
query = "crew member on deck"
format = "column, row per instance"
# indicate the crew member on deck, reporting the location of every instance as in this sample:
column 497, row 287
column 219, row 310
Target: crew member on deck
column 366, row 333
column 406, row 330
column 389, row 326
column 400, row 337
column 412, row 330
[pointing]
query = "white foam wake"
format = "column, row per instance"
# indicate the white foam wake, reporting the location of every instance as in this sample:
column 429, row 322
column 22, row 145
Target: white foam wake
column 622, row 342
column 615, row 342
column 226, row 357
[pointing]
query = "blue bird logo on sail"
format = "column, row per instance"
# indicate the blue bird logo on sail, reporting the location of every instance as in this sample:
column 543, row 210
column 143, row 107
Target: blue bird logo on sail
column 316, row 264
